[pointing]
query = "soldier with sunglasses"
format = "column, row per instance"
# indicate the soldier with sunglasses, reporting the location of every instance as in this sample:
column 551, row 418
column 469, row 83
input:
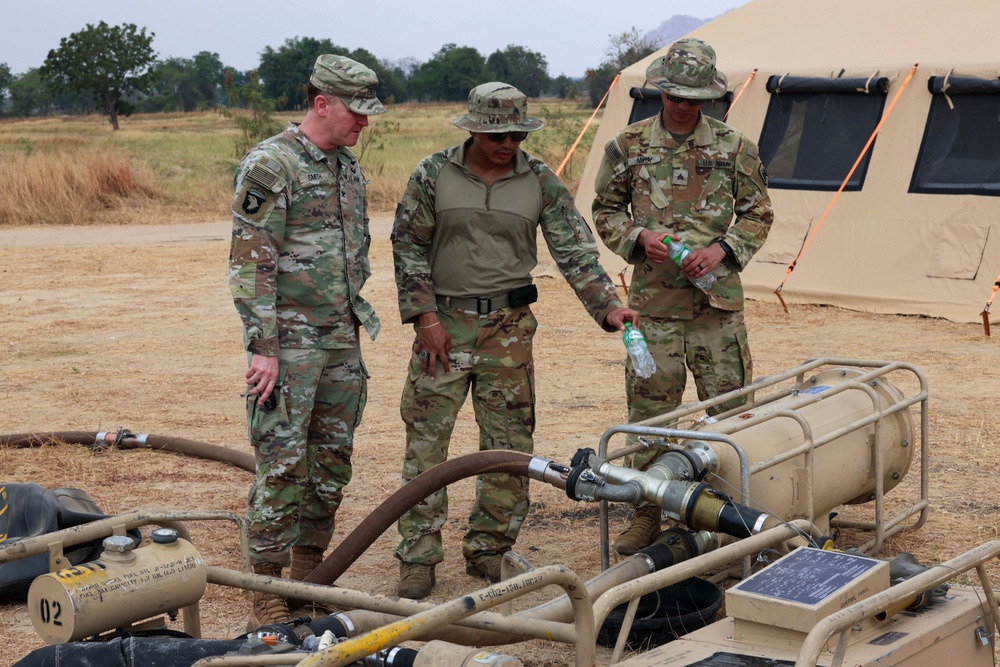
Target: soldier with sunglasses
column 464, row 244
column 695, row 178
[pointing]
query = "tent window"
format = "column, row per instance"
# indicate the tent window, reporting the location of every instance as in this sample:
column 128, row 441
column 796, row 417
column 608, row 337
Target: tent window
column 816, row 128
column 647, row 102
column 960, row 152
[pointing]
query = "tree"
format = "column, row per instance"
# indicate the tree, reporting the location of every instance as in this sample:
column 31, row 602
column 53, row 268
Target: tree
column 449, row 75
column 528, row 71
column 623, row 50
column 207, row 76
column 111, row 62
column 29, row 94
column 285, row 72
column 174, row 89
column 5, row 80
column 564, row 87
column 183, row 84
column 390, row 86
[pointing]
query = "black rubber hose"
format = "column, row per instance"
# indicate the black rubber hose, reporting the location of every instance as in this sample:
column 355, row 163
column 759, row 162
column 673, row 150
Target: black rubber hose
column 411, row 493
column 127, row 440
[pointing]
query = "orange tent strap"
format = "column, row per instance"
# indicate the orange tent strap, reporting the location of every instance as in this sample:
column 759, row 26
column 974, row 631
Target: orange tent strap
column 739, row 94
column 986, row 309
column 562, row 165
column 847, row 179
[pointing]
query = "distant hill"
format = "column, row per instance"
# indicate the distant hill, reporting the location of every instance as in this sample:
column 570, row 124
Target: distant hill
column 673, row 28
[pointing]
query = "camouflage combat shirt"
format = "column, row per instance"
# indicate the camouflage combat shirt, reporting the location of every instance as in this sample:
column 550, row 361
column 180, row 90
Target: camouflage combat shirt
column 299, row 254
column 692, row 191
column 450, row 222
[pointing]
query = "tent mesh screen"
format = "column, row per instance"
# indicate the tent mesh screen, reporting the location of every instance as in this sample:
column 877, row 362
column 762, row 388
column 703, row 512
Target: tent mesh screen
column 960, row 152
column 810, row 140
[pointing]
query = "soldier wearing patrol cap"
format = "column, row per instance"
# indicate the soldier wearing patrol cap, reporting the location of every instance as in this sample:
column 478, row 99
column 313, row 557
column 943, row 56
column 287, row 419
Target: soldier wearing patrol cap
column 464, row 245
column 695, row 178
column 298, row 262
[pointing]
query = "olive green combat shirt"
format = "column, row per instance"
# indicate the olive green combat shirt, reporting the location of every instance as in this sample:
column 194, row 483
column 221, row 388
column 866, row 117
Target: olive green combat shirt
column 692, row 191
column 299, row 254
column 455, row 236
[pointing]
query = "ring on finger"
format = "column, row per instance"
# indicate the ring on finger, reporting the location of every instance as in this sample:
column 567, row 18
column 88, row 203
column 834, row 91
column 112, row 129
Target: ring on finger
column 423, row 355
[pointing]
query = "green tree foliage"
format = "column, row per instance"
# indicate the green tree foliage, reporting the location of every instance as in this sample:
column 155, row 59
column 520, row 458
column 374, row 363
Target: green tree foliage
column 528, row 71
column 29, row 94
column 449, row 75
column 564, row 87
column 111, row 62
column 623, row 49
column 259, row 123
column 284, row 72
column 207, row 73
column 391, row 87
column 185, row 84
column 5, row 80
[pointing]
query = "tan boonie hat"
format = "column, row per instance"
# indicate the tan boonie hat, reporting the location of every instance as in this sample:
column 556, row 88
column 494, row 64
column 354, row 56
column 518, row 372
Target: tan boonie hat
column 497, row 107
column 688, row 70
column 349, row 80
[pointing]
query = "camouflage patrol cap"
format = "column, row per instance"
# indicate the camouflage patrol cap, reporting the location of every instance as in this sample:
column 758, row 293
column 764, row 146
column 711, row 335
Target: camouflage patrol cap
column 497, row 107
column 349, row 80
column 687, row 70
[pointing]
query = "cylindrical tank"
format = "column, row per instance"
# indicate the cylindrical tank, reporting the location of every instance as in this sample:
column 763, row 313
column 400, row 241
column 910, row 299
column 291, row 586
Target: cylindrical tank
column 123, row 587
column 843, row 470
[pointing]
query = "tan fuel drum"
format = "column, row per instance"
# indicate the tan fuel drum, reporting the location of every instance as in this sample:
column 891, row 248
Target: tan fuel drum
column 123, row 587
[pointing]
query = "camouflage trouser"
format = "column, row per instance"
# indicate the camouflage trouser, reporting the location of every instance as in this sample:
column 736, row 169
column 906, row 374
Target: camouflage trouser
column 714, row 345
column 492, row 354
column 303, row 449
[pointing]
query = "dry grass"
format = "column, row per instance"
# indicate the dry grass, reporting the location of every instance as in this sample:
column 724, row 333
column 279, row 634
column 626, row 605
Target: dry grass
column 74, row 187
column 90, row 342
column 75, row 170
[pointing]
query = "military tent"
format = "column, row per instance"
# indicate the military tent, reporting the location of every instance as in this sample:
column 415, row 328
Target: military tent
column 917, row 229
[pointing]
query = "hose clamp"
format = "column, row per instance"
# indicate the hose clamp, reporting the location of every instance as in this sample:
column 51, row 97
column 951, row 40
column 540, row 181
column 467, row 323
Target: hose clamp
column 537, row 467
column 348, row 625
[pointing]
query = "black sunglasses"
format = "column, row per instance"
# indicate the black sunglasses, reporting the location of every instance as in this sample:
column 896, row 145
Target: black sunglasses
column 497, row 137
column 678, row 100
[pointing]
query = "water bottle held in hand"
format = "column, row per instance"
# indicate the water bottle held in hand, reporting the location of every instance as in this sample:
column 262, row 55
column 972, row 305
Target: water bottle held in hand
column 635, row 343
column 678, row 251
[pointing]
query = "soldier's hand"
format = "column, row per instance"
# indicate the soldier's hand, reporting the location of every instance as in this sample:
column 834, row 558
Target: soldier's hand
column 433, row 344
column 619, row 316
column 652, row 242
column 703, row 260
column 261, row 377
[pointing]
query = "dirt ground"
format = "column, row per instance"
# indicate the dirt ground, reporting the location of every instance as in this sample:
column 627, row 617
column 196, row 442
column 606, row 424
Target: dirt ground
column 112, row 327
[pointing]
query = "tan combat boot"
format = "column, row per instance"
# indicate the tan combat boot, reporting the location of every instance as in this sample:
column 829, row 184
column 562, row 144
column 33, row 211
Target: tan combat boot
column 304, row 561
column 641, row 532
column 267, row 608
column 415, row 580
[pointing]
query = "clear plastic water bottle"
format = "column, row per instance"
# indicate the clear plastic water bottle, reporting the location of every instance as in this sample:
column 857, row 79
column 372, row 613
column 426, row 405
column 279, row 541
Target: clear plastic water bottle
column 678, row 251
column 635, row 343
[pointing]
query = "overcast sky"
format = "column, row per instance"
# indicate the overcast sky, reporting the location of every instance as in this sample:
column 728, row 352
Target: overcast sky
column 571, row 34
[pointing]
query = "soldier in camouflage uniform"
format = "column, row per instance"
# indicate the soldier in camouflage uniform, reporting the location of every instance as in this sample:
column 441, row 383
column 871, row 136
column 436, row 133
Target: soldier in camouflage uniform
column 464, row 245
column 688, row 175
column 298, row 261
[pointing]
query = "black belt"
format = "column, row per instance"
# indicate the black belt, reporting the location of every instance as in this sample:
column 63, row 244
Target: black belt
column 482, row 305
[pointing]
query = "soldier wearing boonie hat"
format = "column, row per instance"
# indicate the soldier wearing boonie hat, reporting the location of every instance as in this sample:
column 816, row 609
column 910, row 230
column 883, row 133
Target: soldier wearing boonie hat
column 684, row 174
column 497, row 107
column 300, row 195
column 464, row 243
column 352, row 82
column 688, row 70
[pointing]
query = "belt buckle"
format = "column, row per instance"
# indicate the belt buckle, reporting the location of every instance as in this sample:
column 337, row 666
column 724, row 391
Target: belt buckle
column 483, row 305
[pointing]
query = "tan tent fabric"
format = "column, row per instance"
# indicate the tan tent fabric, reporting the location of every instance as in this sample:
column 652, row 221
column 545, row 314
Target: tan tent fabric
column 881, row 249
